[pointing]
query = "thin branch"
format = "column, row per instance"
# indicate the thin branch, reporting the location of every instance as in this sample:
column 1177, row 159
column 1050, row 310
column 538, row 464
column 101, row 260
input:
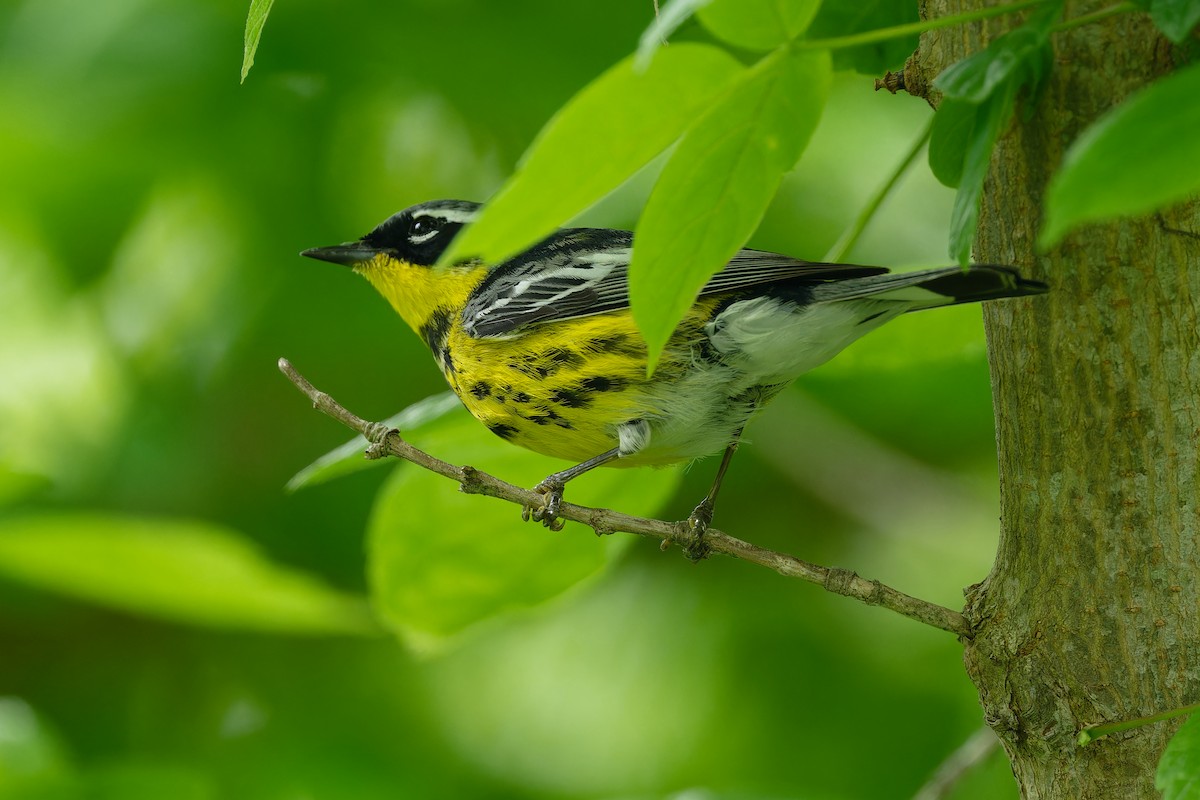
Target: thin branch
column 981, row 744
column 389, row 442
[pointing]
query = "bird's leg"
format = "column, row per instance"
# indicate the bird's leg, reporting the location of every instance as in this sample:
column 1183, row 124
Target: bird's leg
column 553, row 486
column 702, row 514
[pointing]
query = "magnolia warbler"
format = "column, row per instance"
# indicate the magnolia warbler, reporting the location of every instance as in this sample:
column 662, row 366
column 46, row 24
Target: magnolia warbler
column 543, row 350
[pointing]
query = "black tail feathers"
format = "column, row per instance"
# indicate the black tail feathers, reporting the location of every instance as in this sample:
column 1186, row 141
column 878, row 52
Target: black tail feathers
column 931, row 288
column 980, row 282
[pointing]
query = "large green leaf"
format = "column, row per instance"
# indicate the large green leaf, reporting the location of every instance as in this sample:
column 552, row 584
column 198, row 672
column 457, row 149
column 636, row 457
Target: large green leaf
column 1175, row 18
column 1178, row 776
column 255, row 20
column 1018, row 55
column 715, row 189
column 601, row 137
column 1141, row 156
column 845, row 18
column 441, row 560
column 953, row 125
column 979, row 93
column 174, row 569
column 758, row 24
column 990, row 120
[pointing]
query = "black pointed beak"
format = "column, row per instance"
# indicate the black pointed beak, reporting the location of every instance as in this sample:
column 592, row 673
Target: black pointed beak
column 349, row 254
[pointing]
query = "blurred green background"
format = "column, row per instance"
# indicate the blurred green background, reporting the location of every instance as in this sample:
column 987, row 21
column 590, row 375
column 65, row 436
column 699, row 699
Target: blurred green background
column 173, row 623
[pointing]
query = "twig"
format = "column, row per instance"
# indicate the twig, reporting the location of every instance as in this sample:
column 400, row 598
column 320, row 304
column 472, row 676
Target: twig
column 981, row 744
column 389, row 442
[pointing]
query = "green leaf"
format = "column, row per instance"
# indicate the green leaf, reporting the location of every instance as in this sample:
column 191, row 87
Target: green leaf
column 1141, row 156
column 979, row 95
column 1178, row 776
column 348, row 458
column 1175, row 18
column 442, row 561
column 601, row 137
column 173, row 569
column 715, row 189
column 1015, row 56
column 668, row 19
column 255, row 20
column 991, row 119
column 844, row 19
column 758, row 24
column 953, row 125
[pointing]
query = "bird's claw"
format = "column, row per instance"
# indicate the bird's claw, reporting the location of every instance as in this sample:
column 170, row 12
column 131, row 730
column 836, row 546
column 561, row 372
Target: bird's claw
column 547, row 513
column 697, row 524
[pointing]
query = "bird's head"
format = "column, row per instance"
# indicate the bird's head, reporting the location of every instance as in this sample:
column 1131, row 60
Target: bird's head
column 399, row 257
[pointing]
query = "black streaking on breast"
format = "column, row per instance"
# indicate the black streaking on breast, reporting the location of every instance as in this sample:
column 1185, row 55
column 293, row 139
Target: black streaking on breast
column 436, row 333
column 571, row 398
column 502, row 430
column 436, row 328
column 547, row 363
column 600, row 383
column 549, row 416
column 618, row 343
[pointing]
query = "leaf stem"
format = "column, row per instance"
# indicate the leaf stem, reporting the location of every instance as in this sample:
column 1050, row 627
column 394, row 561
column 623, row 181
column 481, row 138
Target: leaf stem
column 851, row 235
column 1088, row 735
column 895, row 32
column 1095, row 16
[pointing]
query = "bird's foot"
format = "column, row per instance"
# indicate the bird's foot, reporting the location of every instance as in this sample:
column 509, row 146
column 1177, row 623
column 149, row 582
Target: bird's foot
column 696, row 549
column 376, row 435
column 547, row 512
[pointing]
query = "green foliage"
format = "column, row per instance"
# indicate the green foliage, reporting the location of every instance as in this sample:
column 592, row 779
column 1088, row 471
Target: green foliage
column 671, row 15
column 454, row 560
column 255, row 20
column 174, row 569
column 741, row 131
column 715, row 189
column 1175, row 18
column 1141, row 156
column 979, row 92
column 348, row 458
column 873, row 58
column 1178, row 776
column 758, row 24
column 620, row 121
column 149, row 280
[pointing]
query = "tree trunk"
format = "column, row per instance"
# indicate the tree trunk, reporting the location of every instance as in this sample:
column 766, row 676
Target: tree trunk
column 1091, row 611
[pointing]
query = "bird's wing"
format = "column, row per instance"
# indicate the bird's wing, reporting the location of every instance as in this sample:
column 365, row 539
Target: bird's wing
column 578, row 272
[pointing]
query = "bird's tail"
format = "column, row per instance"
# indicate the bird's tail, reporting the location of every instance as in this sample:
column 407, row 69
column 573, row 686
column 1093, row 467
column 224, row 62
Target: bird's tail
column 934, row 287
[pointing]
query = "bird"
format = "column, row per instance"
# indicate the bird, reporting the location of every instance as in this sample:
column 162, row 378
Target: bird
column 543, row 350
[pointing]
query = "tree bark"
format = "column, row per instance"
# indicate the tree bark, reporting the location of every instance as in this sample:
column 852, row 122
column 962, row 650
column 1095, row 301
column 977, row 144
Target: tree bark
column 1091, row 612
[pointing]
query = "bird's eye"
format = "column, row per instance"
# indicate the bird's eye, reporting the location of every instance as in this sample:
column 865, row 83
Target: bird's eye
column 422, row 228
